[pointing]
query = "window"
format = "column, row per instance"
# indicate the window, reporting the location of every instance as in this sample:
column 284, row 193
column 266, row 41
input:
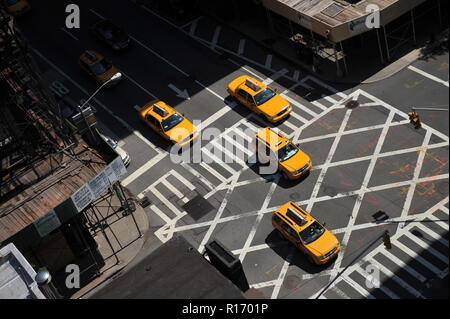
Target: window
column 264, row 96
column 290, row 231
column 287, row 152
column 172, row 121
column 312, row 232
column 101, row 66
column 243, row 94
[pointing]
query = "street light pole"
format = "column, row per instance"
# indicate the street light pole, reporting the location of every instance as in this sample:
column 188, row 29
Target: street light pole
column 80, row 108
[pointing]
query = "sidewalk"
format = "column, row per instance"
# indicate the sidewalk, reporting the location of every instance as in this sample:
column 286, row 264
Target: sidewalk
column 126, row 241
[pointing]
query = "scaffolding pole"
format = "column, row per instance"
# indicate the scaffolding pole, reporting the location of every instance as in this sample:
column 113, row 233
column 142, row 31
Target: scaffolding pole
column 387, row 44
column 413, row 26
column 380, row 47
column 344, row 58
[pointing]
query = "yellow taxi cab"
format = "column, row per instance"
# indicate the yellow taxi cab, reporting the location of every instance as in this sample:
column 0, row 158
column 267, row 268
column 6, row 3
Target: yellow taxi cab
column 292, row 161
column 306, row 233
column 167, row 122
column 100, row 68
column 259, row 98
column 17, row 7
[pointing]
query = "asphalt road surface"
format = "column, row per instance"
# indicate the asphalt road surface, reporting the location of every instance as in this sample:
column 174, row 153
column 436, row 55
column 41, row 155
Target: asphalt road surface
column 372, row 170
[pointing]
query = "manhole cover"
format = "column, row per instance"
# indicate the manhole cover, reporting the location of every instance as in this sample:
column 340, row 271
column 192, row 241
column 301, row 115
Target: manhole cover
column 295, row 196
column 352, row 104
column 291, row 282
column 198, row 207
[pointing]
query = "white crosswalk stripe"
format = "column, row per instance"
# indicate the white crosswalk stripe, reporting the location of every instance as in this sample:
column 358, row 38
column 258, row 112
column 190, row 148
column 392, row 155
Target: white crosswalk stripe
column 416, row 256
column 427, row 247
column 433, row 234
column 403, row 265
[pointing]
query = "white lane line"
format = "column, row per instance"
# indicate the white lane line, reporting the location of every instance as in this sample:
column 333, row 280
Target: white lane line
column 215, row 37
column 298, row 117
column 219, row 161
column 125, row 124
column 263, row 284
column 433, row 234
column 397, row 279
column 300, row 106
column 198, row 175
column 183, row 180
column 384, row 289
column 218, row 114
column 290, row 125
column 231, row 142
column 330, row 99
column 218, row 214
column 403, row 265
column 141, row 170
column 268, row 63
column 281, row 276
column 339, row 292
column 364, row 185
column 417, row 170
column 417, row 257
column 319, row 105
column 158, row 212
column 213, row 172
column 140, row 86
column 152, row 189
column 241, row 47
column 174, row 190
column 427, row 247
column 328, row 160
column 275, row 76
column 363, row 292
column 159, row 56
column 427, row 75
column 228, row 154
column 193, row 25
column 252, row 233
column 69, row 34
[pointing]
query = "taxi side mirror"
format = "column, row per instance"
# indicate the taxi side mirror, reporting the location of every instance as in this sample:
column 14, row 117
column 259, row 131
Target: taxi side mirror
column 324, row 224
column 275, row 90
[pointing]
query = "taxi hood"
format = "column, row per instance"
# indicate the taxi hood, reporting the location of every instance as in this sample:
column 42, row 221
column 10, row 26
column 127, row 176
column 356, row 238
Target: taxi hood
column 324, row 244
column 273, row 106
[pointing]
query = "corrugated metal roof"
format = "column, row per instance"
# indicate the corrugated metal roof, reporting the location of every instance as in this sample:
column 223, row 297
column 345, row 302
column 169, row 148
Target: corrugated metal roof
column 37, row 200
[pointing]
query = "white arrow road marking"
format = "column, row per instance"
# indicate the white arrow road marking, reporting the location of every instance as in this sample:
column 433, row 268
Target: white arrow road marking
column 181, row 94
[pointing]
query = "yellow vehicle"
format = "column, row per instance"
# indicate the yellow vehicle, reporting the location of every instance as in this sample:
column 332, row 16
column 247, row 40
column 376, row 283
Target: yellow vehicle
column 259, row 98
column 292, row 161
column 306, row 233
column 98, row 67
column 168, row 123
column 17, row 7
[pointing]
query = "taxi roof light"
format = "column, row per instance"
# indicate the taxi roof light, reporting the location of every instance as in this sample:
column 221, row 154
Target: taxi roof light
column 159, row 110
column 252, row 85
column 295, row 216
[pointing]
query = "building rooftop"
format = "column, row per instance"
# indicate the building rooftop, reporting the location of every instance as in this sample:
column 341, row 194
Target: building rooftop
column 175, row 270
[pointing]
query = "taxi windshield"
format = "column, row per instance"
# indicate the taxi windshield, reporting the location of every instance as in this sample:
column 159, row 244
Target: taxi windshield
column 172, row 121
column 312, row 233
column 264, row 96
column 101, row 67
column 287, row 152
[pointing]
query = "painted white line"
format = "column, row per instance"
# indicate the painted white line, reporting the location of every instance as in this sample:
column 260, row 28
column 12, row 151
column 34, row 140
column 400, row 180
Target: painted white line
column 172, row 188
column 397, row 279
column 229, row 154
column 403, row 265
column 275, row 76
column 364, row 185
column 215, row 37
column 182, row 179
column 137, row 108
column 193, row 27
column 330, row 99
column 230, row 141
column 268, row 63
column 363, row 292
column 141, row 170
column 290, row 125
column 417, row 170
column 70, row 34
column 417, row 257
column 219, row 161
column 241, row 47
column 298, row 117
column 263, row 284
column 281, row 276
column 255, row 226
column 166, row 202
column 319, row 105
column 218, row 214
column 426, row 247
column 427, row 75
column 158, row 212
column 199, row 176
column 213, row 172
column 125, row 124
column 339, row 292
column 384, row 289
column 300, row 106
column 140, row 86
column 432, row 233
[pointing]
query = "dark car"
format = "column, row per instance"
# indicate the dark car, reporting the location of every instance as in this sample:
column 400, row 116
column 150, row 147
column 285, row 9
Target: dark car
column 111, row 35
